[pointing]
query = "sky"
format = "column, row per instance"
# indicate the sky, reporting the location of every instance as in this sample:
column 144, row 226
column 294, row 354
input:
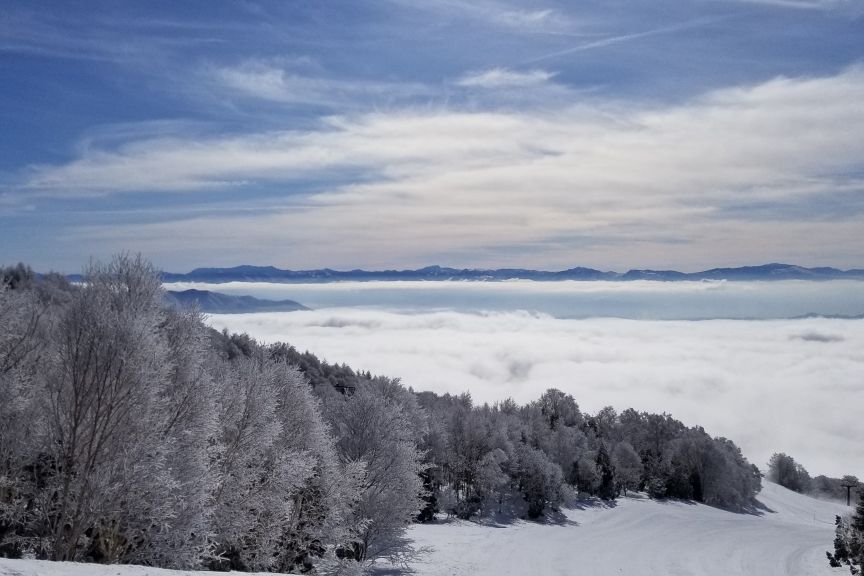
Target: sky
column 614, row 134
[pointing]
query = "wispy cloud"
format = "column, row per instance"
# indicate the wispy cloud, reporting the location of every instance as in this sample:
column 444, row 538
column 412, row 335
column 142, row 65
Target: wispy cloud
column 496, row 13
column 505, row 78
column 850, row 7
column 288, row 85
column 31, row 32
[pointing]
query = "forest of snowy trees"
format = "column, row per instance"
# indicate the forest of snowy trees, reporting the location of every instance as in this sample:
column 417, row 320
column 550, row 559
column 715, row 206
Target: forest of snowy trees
column 130, row 432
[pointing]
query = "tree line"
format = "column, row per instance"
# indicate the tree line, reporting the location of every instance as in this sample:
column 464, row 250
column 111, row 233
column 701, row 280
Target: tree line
column 130, row 432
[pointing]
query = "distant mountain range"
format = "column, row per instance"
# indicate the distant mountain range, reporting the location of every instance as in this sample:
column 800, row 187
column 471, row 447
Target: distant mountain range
column 272, row 274
column 218, row 303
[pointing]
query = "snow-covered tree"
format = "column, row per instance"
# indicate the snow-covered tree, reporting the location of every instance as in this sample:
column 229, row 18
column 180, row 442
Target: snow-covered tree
column 378, row 426
column 469, row 441
column 101, row 399
column 323, row 505
column 558, row 407
column 628, row 466
column 540, row 480
column 587, row 475
column 21, row 344
column 257, row 474
column 187, row 423
column 784, row 470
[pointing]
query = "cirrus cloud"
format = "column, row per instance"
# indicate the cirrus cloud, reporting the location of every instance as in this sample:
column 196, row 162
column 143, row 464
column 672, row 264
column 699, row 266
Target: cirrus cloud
column 505, row 78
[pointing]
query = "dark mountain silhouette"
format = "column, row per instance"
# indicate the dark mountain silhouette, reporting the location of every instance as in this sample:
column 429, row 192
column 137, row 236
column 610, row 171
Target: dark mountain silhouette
column 217, row 303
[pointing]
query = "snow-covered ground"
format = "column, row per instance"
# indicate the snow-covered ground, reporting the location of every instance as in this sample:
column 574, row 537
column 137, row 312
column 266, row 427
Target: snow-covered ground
column 636, row 536
column 645, row 538
column 48, row 568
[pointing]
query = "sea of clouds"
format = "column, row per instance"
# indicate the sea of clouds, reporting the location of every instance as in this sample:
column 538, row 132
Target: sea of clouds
column 770, row 385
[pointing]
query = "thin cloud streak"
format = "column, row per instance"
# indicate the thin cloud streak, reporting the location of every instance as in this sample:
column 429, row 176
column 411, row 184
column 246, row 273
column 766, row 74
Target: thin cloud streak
column 612, row 40
column 504, row 78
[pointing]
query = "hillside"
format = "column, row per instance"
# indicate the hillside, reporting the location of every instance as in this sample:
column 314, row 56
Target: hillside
column 636, row 536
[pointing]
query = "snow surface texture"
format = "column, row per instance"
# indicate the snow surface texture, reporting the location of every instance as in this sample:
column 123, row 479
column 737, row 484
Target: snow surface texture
column 634, row 536
column 643, row 537
column 48, row 568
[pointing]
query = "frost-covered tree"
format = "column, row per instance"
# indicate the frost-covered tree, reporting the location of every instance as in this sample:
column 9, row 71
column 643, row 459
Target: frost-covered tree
column 21, row 344
column 558, row 407
column 378, row 427
column 187, row 423
column 101, row 398
column 628, row 466
column 567, row 445
column 587, row 475
column 256, row 473
column 492, row 479
column 323, row 505
column 784, row 470
column 540, row 481
column 469, row 441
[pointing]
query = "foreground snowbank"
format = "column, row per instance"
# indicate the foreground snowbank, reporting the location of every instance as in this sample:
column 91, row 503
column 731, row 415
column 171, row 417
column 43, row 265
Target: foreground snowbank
column 47, row 568
column 635, row 536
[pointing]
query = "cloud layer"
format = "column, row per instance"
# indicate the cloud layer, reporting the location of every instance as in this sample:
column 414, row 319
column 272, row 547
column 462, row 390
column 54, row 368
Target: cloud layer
column 638, row 300
column 606, row 180
column 779, row 385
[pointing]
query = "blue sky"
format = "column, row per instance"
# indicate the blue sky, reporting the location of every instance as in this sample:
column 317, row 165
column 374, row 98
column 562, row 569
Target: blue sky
column 401, row 133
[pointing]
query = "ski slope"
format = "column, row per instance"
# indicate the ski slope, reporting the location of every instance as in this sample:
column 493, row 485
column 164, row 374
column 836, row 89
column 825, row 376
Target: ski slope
column 636, row 536
column 643, row 537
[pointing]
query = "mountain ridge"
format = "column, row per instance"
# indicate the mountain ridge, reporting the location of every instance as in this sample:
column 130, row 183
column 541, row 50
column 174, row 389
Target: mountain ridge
column 250, row 273
column 218, row 303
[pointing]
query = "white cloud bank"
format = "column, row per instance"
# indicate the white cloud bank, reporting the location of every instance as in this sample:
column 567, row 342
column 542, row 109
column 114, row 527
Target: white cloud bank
column 778, row 385
column 743, row 174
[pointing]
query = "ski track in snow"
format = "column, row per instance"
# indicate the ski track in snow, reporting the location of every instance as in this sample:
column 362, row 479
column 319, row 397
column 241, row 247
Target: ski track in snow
column 636, row 536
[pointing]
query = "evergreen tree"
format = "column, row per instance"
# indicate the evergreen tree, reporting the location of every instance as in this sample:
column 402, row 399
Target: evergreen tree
column 858, row 518
column 607, row 489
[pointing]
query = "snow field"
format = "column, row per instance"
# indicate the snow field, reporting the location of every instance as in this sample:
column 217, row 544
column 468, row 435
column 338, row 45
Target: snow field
column 642, row 537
